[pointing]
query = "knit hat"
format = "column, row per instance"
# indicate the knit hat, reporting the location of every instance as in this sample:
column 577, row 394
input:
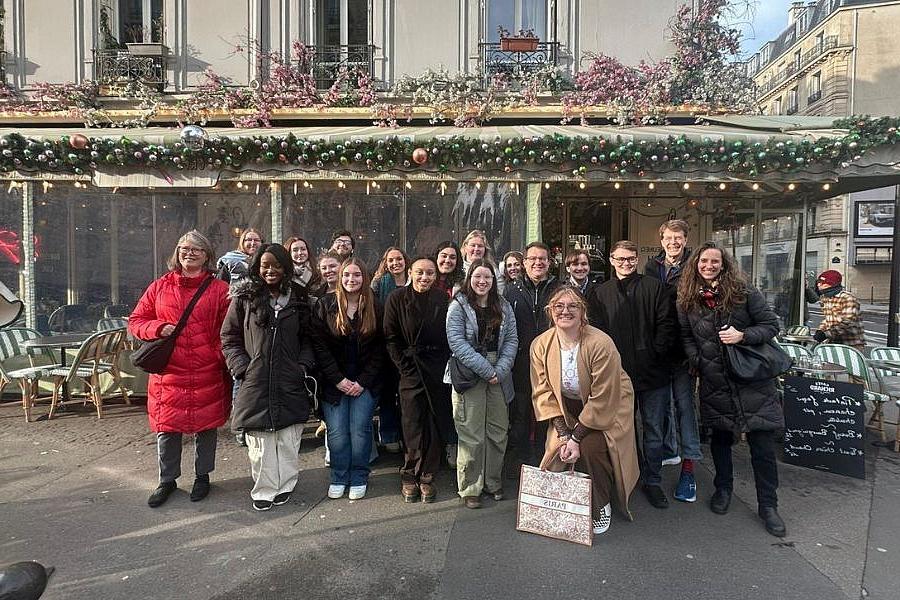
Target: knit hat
column 831, row 278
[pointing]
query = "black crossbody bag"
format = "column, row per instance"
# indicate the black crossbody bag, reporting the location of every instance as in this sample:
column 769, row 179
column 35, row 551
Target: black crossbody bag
column 153, row 356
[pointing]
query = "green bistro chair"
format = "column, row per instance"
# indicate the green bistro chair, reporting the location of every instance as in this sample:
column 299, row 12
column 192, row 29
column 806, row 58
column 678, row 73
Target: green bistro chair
column 14, row 355
column 795, row 351
column 797, row 330
column 855, row 363
column 889, row 380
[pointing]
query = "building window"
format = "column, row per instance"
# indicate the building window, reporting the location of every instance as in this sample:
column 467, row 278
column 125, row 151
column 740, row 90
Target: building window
column 796, row 61
column 342, row 22
column 776, row 106
column 514, row 15
column 140, row 21
column 766, row 53
column 793, row 101
column 820, row 41
column 815, row 87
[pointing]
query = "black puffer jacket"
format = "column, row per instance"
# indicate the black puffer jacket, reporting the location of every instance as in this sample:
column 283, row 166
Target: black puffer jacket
column 725, row 403
column 333, row 350
column 270, row 361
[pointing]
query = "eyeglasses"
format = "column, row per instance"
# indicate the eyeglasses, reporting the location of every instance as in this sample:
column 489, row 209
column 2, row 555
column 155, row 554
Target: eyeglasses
column 343, row 243
column 540, row 259
column 190, row 251
column 560, row 308
column 631, row 260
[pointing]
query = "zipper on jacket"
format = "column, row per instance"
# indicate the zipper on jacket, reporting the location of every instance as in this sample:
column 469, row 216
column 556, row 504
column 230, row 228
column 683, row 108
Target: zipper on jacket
column 271, row 367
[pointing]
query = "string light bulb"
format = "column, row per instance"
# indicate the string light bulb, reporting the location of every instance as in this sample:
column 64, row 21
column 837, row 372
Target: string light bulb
column 686, row 185
column 47, row 185
column 723, row 187
column 651, row 186
column 240, row 185
column 581, row 186
column 755, row 187
column 826, row 186
column 477, row 185
column 409, row 185
column 617, row 185
column 547, row 185
column 791, row 187
column 443, row 188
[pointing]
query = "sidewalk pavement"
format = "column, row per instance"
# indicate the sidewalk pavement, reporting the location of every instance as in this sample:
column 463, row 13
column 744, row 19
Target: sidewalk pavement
column 874, row 309
column 73, row 495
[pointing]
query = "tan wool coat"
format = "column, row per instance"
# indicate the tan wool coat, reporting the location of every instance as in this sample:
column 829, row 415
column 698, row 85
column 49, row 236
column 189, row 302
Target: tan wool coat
column 608, row 403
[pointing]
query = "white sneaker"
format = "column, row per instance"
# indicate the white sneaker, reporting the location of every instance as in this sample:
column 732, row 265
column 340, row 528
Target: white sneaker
column 601, row 525
column 675, row 460
column 452, row 449
column 357, row 492
column 336, row 491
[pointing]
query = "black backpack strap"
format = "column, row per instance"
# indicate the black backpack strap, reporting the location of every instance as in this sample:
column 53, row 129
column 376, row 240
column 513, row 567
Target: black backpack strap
column 190, row 307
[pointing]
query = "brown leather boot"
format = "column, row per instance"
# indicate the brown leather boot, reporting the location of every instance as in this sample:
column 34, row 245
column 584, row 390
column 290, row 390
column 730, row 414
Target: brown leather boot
column 426, row 485
column 410, row 491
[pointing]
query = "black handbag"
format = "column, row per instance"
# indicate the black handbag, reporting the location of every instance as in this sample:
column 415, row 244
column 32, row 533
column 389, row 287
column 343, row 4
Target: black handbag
column 462, row 378
column 153, row 356
column 756, row 362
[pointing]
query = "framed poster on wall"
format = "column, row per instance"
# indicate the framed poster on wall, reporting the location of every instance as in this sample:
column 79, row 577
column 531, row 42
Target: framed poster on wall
column 874, row 218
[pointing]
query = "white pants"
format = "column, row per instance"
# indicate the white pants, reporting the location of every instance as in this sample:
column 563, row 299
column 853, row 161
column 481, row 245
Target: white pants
column 274, row 461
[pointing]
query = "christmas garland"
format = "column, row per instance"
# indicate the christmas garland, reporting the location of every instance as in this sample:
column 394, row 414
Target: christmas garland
column 567, row 156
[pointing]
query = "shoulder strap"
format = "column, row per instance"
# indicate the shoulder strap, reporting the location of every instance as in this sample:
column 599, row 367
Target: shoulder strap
column 190, row 307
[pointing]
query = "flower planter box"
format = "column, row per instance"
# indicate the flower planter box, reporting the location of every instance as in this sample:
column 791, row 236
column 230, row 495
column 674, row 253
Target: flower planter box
column 519, row 44
column 147, row 49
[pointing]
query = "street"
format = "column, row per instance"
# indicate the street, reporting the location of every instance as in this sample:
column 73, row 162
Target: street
column 73, row 495
column 874, row 323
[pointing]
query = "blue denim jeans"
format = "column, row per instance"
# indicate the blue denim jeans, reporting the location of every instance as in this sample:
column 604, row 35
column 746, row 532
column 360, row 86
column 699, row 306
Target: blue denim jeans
column 681, row 419
column 350, row 438
column 654, row 406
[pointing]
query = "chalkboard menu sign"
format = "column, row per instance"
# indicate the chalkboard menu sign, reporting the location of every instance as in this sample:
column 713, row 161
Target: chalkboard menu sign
column 824, row 425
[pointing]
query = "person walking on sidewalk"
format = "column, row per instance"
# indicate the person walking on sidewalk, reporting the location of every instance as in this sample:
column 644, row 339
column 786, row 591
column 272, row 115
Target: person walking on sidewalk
column 192, row 394
column 481, row 332
column 637, row 313
column 841, row 323
column 717, row 307
column 267, row 346
column 416, row 335
column 349, row 350
column 581, row 388
column 681, row 418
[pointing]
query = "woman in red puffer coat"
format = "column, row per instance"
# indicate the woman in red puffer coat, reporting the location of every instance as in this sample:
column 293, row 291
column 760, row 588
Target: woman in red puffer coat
column 193, row 393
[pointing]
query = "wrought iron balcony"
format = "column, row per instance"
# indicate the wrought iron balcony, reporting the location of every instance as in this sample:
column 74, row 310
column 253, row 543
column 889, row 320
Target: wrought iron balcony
column 120, row 67
column 495, row 60
column 327, row 62
column 814, row 97
column 792, row 109
column 806, row 59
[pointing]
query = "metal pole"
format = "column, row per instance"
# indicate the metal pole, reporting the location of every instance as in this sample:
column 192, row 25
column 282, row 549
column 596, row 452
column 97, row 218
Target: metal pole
column 276, row 212
column 894, row 306
column 28, row 262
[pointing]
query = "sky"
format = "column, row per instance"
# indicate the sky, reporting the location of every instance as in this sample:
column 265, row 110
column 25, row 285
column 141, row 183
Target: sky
column 768, row 19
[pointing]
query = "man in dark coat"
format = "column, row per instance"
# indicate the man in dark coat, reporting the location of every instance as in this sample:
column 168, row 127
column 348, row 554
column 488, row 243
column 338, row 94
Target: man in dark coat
column 528, row 296
column 637, row 313
column 681, row 423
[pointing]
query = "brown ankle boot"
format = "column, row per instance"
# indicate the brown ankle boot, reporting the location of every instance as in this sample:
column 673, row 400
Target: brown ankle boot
column 410, row 491
column 426, row 485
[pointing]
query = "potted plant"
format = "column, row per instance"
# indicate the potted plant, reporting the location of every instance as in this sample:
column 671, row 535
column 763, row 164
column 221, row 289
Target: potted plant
column 147, row 41
column 523, row 41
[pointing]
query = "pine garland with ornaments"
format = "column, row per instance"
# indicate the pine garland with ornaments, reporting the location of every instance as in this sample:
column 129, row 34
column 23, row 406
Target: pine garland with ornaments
column 574, row 157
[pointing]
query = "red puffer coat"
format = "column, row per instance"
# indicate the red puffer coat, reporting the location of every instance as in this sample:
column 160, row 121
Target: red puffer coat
column 194, row 392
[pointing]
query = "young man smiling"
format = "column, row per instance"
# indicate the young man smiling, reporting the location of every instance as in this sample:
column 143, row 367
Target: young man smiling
column 638, row 314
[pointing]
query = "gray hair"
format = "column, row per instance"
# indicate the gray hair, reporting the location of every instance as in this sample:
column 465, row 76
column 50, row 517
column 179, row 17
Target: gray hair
column 200, row 241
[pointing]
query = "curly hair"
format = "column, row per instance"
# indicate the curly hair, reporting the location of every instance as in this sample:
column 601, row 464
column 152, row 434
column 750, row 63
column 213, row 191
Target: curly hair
column 259, row 291
column 382, row 264
column 731, row 282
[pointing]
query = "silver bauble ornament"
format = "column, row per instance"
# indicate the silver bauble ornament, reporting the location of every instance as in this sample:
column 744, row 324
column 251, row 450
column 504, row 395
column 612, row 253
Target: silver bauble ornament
column 193, row 137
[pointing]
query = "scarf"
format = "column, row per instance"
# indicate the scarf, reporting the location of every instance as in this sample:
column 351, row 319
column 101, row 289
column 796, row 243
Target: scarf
column 710, row 296
column 832, row 291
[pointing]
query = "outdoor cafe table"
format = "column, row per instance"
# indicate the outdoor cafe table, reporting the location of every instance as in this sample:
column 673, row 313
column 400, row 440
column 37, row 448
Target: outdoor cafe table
column 798, row 339
column 63, row 342
column 824, row 370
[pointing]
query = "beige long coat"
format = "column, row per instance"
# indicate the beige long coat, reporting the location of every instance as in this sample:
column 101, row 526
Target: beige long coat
column 608, row 402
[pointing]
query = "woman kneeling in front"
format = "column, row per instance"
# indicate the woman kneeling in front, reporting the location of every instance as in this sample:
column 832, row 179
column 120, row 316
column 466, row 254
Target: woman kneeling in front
column 580, row 387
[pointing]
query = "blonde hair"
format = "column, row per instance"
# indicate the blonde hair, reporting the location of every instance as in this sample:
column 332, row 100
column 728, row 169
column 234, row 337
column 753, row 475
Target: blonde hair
column 198, row 239
column 567, row 290
column 240, row 245
column 366, row 308
column 474, row 234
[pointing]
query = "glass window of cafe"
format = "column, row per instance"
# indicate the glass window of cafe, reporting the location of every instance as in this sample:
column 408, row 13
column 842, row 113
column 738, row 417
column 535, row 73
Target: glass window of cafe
column 95, row 248
column 11, row 262
column 416, row 219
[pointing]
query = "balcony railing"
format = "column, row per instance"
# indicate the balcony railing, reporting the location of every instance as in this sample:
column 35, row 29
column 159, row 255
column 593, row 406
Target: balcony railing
column 120, row 67
column 495, row 61
column 807, row 58
column 327, row 62
column 814, row 97
column 792, row 109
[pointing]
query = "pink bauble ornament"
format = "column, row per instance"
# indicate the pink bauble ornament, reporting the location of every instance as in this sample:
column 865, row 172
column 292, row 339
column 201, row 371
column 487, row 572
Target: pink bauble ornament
column 420, row 156
column 78, row 141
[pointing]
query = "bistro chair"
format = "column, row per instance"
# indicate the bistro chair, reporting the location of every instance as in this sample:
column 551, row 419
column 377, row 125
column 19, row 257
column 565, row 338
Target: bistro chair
column 111, row 311
column 70, row 318
column 13, row 355
column 795, row 351
column 108, row 324
column 797, row 330
column 888, row 379
column 97, row 355
column 853, row 360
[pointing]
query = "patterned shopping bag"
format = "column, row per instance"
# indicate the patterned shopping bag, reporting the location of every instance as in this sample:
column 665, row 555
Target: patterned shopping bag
column 556, row 505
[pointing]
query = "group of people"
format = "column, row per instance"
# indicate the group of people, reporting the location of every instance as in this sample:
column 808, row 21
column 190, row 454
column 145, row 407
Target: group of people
column 490, row 368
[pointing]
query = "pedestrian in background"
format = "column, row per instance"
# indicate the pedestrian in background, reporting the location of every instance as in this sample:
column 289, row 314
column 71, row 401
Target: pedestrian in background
column 191, row 395
column 349, row 348
column 841, row 322
column 481, row 333
column 415, row 331
column 266, row 341
column 581, row 389
column 717, row 307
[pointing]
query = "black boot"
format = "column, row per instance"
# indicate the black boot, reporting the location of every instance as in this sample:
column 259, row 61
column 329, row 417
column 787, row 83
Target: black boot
column 774, row 522
column 201, row 488
column 720, row 501
column 656, row 496
column 161, row 494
